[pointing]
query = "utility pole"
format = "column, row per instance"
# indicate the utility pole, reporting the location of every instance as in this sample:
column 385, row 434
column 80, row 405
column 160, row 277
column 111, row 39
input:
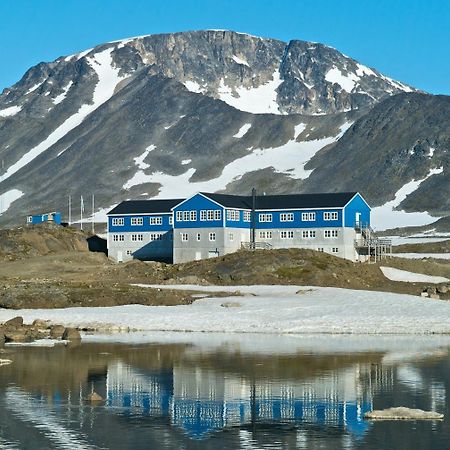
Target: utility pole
column 70, row 210
column 1, row 195
column 81, row 212
column 93, row 223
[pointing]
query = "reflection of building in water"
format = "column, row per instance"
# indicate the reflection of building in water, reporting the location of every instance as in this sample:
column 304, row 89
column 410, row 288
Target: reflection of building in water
column 203, row 400
column 126, row 387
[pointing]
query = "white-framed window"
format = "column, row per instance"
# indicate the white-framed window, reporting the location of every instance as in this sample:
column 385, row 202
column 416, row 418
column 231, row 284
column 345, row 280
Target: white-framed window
column 217, row 214
column 203, row 215
column 30, row 219
column 308, row 217
column 287, row 234
column 193, row 216
column 233, row 215
column 186, row 215
column 231, row 237
column 118, row 237
column 170, row 220
column 265, row 235
column 210, row 214
column 137, row 237
column 330, row 215
column 118, row 222
column 247, row 216
column 308, row 234
column 155, row 220
column 184, row 237
column 265, row 217
column 199, row 237
column 330, row 233
column 286, row 217
column 179, row 216
column 156, row 236
column 212, row 237
column 334, row 250
column 129, row 252
column 137, row 221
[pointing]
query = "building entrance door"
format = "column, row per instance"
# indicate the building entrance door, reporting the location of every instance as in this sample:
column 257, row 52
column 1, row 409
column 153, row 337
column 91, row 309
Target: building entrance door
column 120, row 256
column 198, row 256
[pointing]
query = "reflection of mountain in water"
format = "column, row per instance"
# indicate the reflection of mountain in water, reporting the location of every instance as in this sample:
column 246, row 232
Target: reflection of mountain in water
column 202, row 400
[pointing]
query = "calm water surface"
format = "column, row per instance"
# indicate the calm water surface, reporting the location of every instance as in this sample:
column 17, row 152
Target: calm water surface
column 181, row 395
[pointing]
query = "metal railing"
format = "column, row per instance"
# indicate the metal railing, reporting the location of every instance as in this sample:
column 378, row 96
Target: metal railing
column 256, row 245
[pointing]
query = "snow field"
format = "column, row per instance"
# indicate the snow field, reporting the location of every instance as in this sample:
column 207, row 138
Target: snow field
column 403, row 275
column 266, row 310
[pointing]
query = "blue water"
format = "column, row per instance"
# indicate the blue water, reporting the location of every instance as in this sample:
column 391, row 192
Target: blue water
column 183, row 396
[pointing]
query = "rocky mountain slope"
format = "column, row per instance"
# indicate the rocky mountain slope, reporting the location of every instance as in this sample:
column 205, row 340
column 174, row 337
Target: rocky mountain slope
column 211, row 110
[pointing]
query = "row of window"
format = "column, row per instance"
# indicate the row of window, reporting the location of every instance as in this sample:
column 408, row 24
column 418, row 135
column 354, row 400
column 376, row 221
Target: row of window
column 306, row 234
column 216, row 214
column 139, row 237
column 139, row 221
column 333, row 249
column 211, row 237
column 305, row 217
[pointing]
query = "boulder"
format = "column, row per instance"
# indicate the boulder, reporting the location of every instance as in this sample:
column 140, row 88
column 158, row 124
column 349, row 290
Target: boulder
column 435, row 296
column 57, row 331
column 40, row 324
column 18, row 335
column 15, row 322
column 93, row 397
column 71, row 334
column 442, row 289
column 402, row 413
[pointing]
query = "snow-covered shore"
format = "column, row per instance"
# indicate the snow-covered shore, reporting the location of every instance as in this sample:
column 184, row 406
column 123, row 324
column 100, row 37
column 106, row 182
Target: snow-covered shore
column 265, row 309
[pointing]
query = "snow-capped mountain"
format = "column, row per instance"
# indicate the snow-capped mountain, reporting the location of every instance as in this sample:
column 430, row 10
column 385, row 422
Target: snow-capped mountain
column 172, row 114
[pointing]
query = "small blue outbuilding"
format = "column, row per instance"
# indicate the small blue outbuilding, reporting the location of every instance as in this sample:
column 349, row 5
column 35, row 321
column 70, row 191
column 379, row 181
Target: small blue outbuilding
column 54, row 217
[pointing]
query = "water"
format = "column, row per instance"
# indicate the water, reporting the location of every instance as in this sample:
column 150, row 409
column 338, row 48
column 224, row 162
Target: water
column 218, row 392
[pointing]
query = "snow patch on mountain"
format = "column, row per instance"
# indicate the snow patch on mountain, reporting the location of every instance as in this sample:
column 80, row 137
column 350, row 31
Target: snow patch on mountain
column 242, row 131
column 193, row 86
column 410, row 277
column 258, row 100
column 185, row 162
column 386, row 216
column 7, row 198
column 59, row 98
column 363, row 70
column 33, row 88
column 11, row 111
column 347, row 82
column 289, row 159
column 139, row 160
column 108, row 79
column 240, row 61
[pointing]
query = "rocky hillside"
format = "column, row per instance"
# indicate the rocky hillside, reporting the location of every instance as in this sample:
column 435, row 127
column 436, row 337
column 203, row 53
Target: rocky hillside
column 207, row 110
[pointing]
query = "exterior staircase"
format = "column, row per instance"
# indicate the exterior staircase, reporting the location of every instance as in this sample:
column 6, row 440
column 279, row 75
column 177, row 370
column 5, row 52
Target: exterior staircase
column 369, row 245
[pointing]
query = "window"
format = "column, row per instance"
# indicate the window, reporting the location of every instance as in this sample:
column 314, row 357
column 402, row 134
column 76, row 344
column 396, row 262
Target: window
column 231, row 237
column 265, row 217
column 287, row 217
column 330, row 233
column 129, row 252
column 212, row 237
column 203, row 215
column 118, row 237
column 156, row 236
column 179, row 216
column 30, row 219
column 138, row 221
column 193, row 216
column 308, row 234
column 217, row 214
column 247, row 216
column 210, row 214
column 308, row 217
column 265, row 235
column 233, row 215
column 199, row 237
column 320, row 249
column 118, row 222
column 184, row 237
column 186, row 215
column 137, row 237
column 155, row 220
column 335, row 250
column 286, row 234
column 170, row 220
column 330, row 216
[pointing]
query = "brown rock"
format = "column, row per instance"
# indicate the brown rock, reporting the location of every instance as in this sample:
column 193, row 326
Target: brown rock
column 442, row 289
column 435, row 296
column 20, row 335
column 93, row 397
column 40, row 324
column 71, row 334
column 14, row 322
column 57, row 331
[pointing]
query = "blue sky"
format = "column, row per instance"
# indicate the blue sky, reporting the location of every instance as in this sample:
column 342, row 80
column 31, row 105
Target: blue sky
column 405, row 39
